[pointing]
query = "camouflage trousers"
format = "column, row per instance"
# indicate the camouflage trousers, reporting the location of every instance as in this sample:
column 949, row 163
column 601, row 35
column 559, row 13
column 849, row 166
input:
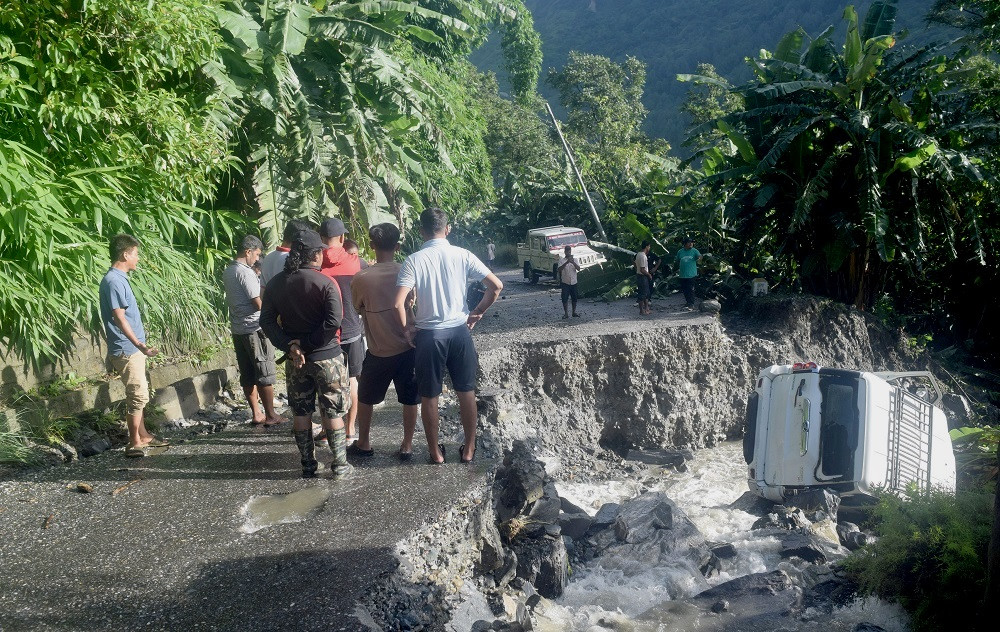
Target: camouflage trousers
column 327, row 379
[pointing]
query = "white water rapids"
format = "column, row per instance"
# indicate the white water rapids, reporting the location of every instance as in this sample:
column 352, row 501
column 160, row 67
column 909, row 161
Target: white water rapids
column 599, row 598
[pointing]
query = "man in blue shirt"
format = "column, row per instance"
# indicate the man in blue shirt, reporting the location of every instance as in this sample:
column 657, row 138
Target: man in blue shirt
column 438, row 273
column 687, row 262
column 126, row 337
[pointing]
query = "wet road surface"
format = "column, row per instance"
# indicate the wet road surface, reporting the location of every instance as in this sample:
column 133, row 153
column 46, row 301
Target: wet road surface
column 161, row 543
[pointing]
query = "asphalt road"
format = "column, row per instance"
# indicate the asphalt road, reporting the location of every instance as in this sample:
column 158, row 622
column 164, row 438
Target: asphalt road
column 167, row 551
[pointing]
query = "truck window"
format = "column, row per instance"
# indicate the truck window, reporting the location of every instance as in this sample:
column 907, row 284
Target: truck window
column 750, row 434
column 839, row 419
column 571, row 239
column 536, row 243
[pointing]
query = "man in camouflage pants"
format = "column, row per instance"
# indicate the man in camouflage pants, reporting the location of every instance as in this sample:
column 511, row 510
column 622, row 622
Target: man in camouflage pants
column 310, row 309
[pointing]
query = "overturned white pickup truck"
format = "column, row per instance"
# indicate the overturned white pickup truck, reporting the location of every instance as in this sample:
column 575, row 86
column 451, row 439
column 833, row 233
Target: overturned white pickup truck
column 851, row 431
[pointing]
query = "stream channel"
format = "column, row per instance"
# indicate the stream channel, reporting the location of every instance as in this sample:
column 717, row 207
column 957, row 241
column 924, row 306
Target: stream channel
column 607, row 593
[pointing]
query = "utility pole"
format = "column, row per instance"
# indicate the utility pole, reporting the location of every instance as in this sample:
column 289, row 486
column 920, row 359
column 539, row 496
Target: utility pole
column 576, row 170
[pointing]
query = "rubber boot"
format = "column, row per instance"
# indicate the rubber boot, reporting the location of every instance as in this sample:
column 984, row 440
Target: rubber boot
column 307, row 449
column 337, row 439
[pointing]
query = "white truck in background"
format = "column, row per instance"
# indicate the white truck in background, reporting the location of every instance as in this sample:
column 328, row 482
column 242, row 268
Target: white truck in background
column 542, row 248
column 851, row 431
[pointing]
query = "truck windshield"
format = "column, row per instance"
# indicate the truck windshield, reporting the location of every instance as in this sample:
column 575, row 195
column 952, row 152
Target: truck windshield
column 571, row 239
column 839, row 425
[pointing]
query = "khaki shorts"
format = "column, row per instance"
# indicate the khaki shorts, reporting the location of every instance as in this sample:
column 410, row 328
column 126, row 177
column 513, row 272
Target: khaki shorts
column 132, row 370
column 326, row 380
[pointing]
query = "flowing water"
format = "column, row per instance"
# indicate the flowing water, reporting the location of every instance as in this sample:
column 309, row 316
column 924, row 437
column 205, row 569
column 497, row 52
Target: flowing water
column 264, row 511
column 601, row 596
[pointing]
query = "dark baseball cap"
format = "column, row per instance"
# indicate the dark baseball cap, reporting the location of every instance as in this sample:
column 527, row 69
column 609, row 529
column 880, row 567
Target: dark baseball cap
column 309, row 239
column 332, row 227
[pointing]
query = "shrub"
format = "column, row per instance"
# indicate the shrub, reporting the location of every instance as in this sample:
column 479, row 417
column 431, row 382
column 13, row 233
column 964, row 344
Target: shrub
column 930, row 555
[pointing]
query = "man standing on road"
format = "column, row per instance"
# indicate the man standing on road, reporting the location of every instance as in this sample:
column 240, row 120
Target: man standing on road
column 568, row 268
column 274, row 262
column 390, row 356
column 439, row 273
column 254, row 353
column 341, row 266
column 127, row 350
column 308, row 305
column 687, row 262
column 491, row 255
column 644, row 279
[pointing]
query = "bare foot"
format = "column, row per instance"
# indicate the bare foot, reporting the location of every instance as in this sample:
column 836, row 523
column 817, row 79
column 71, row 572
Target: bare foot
column 273, row 421
column 258, row 420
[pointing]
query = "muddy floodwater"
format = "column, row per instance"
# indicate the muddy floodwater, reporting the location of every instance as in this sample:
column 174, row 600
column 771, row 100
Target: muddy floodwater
column 261, row 512
column 613, row 594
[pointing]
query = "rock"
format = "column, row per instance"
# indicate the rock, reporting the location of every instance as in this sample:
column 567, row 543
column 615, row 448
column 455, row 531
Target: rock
column 661, row 457
column 605, row 517
column 641, row 516
column 783, row 518
column 531, row 596
column 722, row 550
column 814, row 501
column 553, row 531
column 720, row 606
column 829, row 595
column 868, row 627
column 857, row 539
column 47, row 454
column 752, row 504
column 803, row 547
column 546, row 509
column 94, row 447
column 711, row 306
column 492, row 553
column 85, row 488
column 519, row 482
column 575, row 525
column 507, row 570
column 569, row 507
column 68, row 451
column 710, row 565
column 545, row 564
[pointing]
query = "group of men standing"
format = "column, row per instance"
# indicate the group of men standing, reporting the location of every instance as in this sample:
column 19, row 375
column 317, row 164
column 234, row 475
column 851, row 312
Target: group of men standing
column 687, row 259
column 317, row 302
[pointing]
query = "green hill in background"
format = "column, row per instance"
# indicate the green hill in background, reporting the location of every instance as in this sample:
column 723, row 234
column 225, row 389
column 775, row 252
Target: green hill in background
column 674, row 36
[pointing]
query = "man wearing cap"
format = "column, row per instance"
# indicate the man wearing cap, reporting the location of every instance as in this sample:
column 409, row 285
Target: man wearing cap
column 687, row 269
column 309, row 307
column 439, row 274
column 254, row 353
column 274, row 262
column 390, row 356
column 341, row 266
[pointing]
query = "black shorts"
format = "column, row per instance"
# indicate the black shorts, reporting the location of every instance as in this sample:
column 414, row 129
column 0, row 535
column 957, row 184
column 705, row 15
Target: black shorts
column 568, row 292
column 378, row 372
column 437, row 349
column 645, row 289
column 354, row 356
column 255, row 359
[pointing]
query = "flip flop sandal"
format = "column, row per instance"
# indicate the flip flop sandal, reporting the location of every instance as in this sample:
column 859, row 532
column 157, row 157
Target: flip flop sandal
column 461, row 458
column 134, row 453
column 443, row 460
column 157, row 443
column 354, row 450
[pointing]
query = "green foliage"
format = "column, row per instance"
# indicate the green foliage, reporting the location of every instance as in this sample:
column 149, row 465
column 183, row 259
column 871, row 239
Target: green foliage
column 522, row 52
column 930, row 555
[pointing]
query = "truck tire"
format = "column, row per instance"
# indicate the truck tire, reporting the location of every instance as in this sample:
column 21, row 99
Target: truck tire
column 555, row 271
column 527, row 270
column 534, row 277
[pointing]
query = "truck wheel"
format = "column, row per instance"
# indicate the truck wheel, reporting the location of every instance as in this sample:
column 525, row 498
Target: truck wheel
column 555, row 271
column 534, row 277
column 527, row 270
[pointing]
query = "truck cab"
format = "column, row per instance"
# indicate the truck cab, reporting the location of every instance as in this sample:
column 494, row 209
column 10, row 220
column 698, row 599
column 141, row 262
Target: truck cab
column 543, row 247
column 850, row 431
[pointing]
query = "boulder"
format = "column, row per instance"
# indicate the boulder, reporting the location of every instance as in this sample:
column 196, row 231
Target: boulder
column 544, row 563
column 605, row 517
column 803, row 547
column 752, row 504
column 784, row 518
column 492, row 553
column 815, row 501
column 711, row 306
column 640, row 517
column 722, row 550
column 519, row 482
column 569, row 507
column 575, row 525
column 94, row 446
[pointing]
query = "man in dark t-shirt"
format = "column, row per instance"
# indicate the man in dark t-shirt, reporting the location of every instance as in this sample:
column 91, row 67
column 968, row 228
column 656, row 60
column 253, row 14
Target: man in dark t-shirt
column 301, row 315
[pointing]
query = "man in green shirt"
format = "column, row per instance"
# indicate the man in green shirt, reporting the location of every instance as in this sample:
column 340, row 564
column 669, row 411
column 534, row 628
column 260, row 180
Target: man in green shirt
column 687, row 269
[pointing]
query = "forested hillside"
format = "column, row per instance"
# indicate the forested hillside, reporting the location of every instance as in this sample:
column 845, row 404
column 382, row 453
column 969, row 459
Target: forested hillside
column 673, row 36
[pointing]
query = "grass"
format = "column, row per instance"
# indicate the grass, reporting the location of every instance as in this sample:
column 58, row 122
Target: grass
column 37, row 426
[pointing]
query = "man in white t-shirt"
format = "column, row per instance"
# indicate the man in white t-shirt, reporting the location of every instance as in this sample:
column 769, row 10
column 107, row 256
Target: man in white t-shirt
column 644, row 279
column 439, row 274
column 568, row 268
column 491, row 254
